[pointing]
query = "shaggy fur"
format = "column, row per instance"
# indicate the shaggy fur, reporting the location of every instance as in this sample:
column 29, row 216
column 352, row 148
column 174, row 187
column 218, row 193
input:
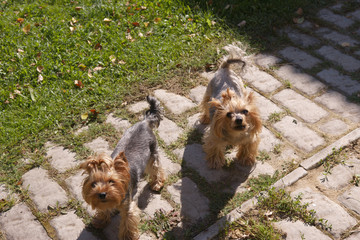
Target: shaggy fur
column 111, row 182
column 233, row 117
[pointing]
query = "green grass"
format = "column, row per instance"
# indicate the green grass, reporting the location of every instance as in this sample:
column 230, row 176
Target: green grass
column 66, row 63
column 273, row 206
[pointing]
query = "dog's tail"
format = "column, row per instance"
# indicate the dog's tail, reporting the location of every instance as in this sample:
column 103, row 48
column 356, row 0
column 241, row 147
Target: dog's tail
column 236, row 55
column 155, row 114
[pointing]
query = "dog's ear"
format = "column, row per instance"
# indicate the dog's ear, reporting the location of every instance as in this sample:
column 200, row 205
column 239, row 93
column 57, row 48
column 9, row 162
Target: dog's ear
column 88, row 165
column 120, row 162
column 250, row 98
column 215, row 103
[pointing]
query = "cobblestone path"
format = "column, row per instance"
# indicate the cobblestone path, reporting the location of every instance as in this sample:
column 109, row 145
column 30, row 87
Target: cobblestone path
column 306, row 85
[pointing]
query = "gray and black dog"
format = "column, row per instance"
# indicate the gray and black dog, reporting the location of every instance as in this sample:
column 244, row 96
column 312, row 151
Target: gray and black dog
column 112, row 180
column 140, row 146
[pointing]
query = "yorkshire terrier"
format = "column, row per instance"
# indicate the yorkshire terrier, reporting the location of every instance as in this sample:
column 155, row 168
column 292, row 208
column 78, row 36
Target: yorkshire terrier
column 111, row 181
column 233, row 117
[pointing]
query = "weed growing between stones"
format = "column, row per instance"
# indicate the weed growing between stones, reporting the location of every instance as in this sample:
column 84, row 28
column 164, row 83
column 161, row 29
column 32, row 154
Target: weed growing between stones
column 272, row 206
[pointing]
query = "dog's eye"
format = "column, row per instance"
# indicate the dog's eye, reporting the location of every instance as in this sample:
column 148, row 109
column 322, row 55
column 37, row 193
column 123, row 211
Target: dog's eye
column 229, row 115
column 93, row 184
column 245, row 112
column 111, row 181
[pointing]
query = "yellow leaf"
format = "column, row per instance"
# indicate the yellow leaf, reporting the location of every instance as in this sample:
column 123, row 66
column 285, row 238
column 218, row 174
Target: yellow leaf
column 84, row 116
column 157, row 19
column 146, row 24
column 82, row 66
column 26, row 29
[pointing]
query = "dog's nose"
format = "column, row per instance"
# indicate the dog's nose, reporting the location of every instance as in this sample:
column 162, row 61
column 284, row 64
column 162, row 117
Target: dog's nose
column 102, row 195
column 238, row 120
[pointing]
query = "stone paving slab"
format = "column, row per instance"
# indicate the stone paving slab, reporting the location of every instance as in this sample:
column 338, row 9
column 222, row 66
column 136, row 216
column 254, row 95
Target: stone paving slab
column 338, row 178
column 291, row 178
column 99, row 145
column 74, row 183
column 334, row 127
column 299, row 230
column 61, row 159
column 299, row 57
column 266, row 60
column 169, row 166
column 338, row 103
column 193, row 204
column 301, row 39
column 345, row 61
column 71, row 227
column 176, row 104
column 297, row 133
column 261, row 80
column 340, row 81
column 339, row 219
column 168, row 131
column 351, row 199
column 300, row 80
column 268, row 140
column 301, row 106
column 354, row 236
column 194, row 157
column 194, row 123
column 338, row 20
column 19, row 223
column 119, row 124
column 197, row 94
column 336, row 37
column 43, row 191
column 266, row 106
column 315, row 160
column 138, row 106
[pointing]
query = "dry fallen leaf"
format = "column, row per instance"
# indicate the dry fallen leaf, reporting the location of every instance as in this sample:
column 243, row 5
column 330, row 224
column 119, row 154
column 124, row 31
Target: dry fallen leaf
column 78, row 8
column 107, row 20
column 89, row 74
column 84, row 116
column 345, row 44
column 40, row 78
column 39, row 69
column 298, row 20
column 299, row 11
column 112, row 58
column 20, row 20
column 242, row 23
column 78, row 83
column 122, row 62
column 98, row 68
column 146, row 24
column 26, row 29
column 20, row 50
column 135, row 24
column 157, row 19
column 82, row 66
column 98, row 46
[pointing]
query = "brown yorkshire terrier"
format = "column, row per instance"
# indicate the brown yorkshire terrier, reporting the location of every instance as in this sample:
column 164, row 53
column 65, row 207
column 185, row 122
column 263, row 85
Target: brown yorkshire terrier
column 112, row 180
column 233, row 117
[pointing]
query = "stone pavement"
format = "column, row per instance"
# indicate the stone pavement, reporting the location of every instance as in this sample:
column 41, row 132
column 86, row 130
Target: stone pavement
column 302, row 93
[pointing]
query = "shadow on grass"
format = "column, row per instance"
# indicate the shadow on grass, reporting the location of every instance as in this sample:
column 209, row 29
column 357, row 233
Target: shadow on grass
column 258, row 20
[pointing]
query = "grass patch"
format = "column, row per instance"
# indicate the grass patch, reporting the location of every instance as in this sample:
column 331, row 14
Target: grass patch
column 273, row 206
